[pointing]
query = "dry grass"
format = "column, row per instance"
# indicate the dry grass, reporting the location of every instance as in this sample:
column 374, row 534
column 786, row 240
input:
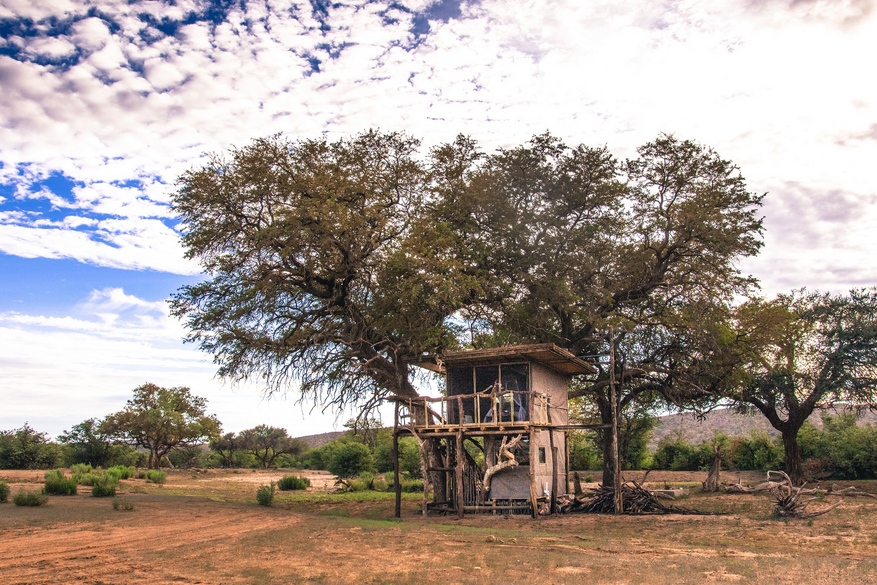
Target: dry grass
column 209, row 530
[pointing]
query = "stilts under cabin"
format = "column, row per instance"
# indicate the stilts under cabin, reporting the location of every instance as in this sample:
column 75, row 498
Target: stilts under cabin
column 497, row 442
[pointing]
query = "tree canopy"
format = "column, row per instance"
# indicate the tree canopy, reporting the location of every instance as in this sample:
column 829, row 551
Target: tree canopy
column 320, row 270
column 161, row 419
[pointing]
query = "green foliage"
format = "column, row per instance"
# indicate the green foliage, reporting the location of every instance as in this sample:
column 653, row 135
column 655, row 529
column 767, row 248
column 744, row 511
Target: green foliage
column 266, row 443
column 293, row 482
column 350, row 459
column 26, row 448
column 409, row 453
column 86, row 478
column 265, row 494
column 187, row 456
column 584, row 451
column 122, row 471
column 81, row 468
column 120, row 503
column 88, row 444
column 57, row 484
column 31, row 499
column 4, row 492
column 155, row 476
column 160, row 420
column 104, row 487
column 756, row 452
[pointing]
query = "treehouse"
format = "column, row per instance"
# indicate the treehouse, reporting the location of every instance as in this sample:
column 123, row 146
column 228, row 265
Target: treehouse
column 497, row 441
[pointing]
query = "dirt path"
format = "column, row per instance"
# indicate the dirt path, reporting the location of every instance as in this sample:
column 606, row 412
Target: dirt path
column 221, row 536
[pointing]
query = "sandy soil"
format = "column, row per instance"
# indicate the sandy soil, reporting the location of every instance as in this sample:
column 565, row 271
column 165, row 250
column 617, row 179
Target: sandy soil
column 205, row 528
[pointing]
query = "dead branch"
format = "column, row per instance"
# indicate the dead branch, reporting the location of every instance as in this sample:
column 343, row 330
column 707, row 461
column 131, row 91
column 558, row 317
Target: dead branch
column 506, row 460
column 636, row 500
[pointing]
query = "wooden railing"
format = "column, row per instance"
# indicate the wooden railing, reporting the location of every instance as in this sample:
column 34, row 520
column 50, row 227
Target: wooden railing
column 498, row 409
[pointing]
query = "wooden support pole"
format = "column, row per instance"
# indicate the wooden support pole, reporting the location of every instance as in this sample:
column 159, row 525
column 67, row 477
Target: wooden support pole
column 613, row 397
column 553, row 477
column 398, row 484
column 459, row 473
column 533, row 459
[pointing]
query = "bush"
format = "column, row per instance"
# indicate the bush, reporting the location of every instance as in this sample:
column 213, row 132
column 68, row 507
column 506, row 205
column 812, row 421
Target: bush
column 120, row 503
column 265, row 494
column 4, row 492
column 81, row 468
column 350, row 459
column 104, row 487
column 293, row 482
column 122, row 471
column 156, row 476
column 57, row 484
column 86, row 479
column 31, row 499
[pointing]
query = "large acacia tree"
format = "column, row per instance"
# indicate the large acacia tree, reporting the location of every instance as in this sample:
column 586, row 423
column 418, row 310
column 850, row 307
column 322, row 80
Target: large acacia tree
column 319, row 269
column 572, row 241
column 803, row 351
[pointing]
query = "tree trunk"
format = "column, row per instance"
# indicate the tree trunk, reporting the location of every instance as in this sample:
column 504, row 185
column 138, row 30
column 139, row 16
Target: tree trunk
column 792, row 460
column 712, row 481
column 605, row 408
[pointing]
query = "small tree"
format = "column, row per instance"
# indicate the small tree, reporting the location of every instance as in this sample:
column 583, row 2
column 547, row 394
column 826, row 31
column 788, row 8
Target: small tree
column 26, row 448
column 803, row 351
column 266, row 443
column 161, row 419
column 88, row 444
column 226, row 446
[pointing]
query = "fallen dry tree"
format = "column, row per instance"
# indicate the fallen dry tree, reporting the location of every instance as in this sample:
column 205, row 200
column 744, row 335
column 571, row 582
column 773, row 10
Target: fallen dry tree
column 636, row 500
column 788, row 502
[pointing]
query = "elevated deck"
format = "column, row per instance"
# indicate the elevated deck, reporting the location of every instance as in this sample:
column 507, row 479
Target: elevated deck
column 499, row 411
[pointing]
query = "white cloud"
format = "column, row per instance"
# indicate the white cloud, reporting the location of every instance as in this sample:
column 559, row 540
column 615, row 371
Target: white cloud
column 780, row 87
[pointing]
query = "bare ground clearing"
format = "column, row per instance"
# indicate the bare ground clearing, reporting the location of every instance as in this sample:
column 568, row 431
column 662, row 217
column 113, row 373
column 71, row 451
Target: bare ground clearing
column 206, row 528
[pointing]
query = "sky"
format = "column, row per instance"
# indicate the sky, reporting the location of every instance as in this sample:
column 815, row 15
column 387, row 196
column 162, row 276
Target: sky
column 103, row 104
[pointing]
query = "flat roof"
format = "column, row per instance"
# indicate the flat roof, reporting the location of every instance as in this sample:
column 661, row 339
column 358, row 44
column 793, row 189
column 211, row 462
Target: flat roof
column 547, row 354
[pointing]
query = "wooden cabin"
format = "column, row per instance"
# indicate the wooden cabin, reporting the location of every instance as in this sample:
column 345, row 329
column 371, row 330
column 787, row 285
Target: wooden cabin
column 497, row 441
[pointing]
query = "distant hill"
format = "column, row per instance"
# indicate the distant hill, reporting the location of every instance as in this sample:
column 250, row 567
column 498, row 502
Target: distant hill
column 729, row 422
column 314, row 441
column 695, row 430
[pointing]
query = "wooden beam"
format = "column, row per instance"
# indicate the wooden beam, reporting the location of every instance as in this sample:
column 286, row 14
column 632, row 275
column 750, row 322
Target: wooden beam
column 459, row 474
column 398, row 484
column 532, row 476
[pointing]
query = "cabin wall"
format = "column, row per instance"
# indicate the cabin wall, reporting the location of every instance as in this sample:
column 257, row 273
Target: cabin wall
column 556, row 386
column 542, row 472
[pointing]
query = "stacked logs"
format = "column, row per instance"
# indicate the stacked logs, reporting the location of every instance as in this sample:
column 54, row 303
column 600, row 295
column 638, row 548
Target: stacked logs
column 635, row 500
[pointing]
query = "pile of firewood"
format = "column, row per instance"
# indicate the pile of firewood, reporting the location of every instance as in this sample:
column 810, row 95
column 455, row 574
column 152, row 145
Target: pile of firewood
column 636, row 500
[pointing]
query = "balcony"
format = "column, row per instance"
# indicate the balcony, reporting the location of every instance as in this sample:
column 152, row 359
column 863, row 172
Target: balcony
column 482, row 411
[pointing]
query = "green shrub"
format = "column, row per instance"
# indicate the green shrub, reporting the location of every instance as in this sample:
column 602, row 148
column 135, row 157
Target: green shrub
column 4, row 492
column 293, row 482
column 265, row 494
column 81, row 468
column 104, row 487
column 350, row 459
column 120, row 503
column 31, row 499
column 86, row 479
column 113, row 475
column 58, row 484
column 156, row 476
column 123, row 471
column 143, row 474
